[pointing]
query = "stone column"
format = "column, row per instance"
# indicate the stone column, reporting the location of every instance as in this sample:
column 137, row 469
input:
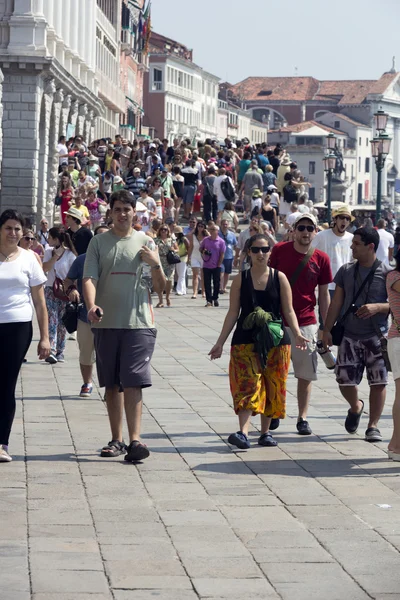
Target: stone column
column 5, row 24
column 52, row 163
column 66, row 107
column 22, row 95
column 73, row 115
column 27, row 27
column 49, row 89
column 83, row 111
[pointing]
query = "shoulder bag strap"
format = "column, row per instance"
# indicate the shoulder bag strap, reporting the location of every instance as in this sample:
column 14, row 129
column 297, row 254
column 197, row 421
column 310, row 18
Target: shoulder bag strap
column 300, row 267
column 368, row 278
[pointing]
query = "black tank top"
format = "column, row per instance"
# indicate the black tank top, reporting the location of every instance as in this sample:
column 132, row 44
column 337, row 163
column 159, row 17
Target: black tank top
column 268, row 299
column 268, row 215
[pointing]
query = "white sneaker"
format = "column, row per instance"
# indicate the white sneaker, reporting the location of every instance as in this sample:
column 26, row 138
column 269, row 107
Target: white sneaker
column 72, row 336
column 4, row 456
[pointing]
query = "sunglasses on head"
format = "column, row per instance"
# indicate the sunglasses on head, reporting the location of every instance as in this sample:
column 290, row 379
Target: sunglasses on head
column 309, row 228
column 28, row 239
column 258, row 249
column 344, row 217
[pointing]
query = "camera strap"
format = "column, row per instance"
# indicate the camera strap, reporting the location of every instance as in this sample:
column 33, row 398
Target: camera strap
column 368, row 279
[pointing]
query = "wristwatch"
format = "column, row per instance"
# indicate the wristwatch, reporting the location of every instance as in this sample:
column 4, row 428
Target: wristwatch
column 156, row 267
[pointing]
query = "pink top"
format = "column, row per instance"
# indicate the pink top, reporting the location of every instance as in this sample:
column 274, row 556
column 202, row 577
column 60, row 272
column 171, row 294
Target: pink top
column 394, row 302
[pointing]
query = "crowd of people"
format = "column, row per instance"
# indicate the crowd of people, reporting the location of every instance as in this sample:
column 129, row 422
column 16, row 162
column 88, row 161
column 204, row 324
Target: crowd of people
column 148, row 218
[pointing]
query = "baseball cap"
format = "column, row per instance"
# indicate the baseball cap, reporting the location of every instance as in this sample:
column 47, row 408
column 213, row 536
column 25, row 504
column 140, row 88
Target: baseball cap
column 306, row 216
column 74, row 212
column 118, row 179
column 272, row 187
column 136, row 170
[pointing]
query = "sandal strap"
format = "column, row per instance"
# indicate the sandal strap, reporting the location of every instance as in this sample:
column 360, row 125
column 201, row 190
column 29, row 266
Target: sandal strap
column 115, row 444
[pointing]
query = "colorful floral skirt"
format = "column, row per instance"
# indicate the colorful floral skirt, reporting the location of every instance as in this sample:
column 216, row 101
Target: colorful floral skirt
column 263, row 391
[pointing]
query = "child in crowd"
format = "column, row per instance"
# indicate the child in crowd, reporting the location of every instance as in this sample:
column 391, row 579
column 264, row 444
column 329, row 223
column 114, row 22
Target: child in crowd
column 170, row 211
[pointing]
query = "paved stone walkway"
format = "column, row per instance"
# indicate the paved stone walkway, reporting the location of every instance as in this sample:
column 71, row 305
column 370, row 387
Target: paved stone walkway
column 316, row 518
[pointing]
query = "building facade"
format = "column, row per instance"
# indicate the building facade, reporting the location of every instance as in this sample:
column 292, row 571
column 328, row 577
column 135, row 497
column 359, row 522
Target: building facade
column 49, row 89
column 306, row 144
column 134, row 63
column 180, row 98
column 282, row 101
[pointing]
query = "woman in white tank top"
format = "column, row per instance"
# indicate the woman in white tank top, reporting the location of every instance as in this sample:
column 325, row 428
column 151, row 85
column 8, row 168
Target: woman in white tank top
column 195, row 258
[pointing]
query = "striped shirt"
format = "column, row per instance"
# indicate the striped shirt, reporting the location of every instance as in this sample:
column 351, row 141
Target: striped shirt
column 394, row 302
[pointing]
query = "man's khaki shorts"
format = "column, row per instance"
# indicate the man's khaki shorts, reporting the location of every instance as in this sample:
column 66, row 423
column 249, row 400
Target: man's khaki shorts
column 305, row 361
column 87, row 355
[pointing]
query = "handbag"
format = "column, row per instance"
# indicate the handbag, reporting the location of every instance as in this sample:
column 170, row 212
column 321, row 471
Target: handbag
column 337, row 331
column 173, row 258
column 58, row 200
column 70, row 316
column 58, row 289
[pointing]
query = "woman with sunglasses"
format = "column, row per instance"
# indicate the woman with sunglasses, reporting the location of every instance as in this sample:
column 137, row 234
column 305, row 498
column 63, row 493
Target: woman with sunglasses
column 165, row 243
column 195, row 257
column 257, row 373
column 26, row 242
column 241, row 249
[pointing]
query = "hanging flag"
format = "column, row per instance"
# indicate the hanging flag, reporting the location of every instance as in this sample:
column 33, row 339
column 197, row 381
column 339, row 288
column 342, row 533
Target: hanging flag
column 148, row 27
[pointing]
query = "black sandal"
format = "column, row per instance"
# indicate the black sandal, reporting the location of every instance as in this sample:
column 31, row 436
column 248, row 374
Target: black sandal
column 136, row 451
column 266, row 439
column 113, row 449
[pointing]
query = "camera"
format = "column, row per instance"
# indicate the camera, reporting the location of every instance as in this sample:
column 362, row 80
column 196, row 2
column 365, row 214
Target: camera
column 353, row 309
column 207, row 252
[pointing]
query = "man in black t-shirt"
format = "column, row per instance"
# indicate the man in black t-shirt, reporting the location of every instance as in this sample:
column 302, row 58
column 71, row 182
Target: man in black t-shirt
column 80, row 236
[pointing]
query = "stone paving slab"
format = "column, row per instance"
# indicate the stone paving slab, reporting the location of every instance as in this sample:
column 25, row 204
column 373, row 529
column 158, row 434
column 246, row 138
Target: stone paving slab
column 316, row 517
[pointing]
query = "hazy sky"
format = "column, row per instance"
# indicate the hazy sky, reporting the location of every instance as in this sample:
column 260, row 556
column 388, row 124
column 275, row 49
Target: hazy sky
column 327, row 39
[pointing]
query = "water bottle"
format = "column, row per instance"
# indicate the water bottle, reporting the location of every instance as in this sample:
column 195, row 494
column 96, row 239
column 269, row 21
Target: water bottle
column 326, row 355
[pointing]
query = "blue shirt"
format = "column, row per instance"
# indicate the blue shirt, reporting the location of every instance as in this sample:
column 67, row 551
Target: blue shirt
column 262, row 161
column 76, row 274
column 230, row 242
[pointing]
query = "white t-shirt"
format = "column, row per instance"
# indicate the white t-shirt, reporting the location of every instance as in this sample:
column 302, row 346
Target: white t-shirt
column 256, row 203
column 386, row 242
column 62, row 266
column 217, row 188
column 62, row 149
column 16, row 279
column 150, row 203
column 337, row 248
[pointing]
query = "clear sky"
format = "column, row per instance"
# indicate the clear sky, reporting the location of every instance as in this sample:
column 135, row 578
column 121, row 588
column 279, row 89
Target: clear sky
column 326, row 39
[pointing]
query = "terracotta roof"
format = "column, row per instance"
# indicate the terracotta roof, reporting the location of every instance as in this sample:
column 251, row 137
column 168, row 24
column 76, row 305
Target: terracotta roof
column 299, row 127
column 277, row 88
column 307, row 88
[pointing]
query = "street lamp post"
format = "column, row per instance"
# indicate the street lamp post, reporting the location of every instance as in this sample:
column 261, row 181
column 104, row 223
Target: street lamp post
column 329, row 167
column 380, row 147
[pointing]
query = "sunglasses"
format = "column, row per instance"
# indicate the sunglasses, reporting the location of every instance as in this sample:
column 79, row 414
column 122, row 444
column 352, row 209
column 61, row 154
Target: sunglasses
column 200, row 225
column 161, row 230
column 258, row 249
column 28, row 239
column 344, row 217
column 309, row 228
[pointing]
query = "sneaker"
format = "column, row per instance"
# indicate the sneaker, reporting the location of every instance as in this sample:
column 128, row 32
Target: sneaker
column 240, row 440
column 373, row 435
column 4, row 456
column 51, row 359
column 86, row 390
column 216, row 303
column 72, row 336
column 208, row 304
column 60, row 358
column 303, row 427
column 274, row 424
column 353, row 420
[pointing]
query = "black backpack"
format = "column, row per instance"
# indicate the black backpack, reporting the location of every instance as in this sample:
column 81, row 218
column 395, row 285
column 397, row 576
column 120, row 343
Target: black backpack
column 289, row 193
column 227, row 189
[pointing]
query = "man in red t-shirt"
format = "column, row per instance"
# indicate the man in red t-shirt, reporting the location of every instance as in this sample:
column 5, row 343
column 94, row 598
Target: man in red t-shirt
column 286, row 257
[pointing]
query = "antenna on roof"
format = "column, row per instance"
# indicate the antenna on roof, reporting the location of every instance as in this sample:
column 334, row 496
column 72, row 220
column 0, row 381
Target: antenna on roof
column 393, row 69
column 296, row 71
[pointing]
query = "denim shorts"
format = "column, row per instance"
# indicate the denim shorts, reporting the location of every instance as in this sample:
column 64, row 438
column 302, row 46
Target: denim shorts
column 188, row 194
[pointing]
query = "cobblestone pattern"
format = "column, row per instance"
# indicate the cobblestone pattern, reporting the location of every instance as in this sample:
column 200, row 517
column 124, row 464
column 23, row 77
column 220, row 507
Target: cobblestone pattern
column 316, row 517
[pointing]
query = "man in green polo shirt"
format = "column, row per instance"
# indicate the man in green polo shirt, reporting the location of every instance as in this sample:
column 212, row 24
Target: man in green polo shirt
column 119, row 272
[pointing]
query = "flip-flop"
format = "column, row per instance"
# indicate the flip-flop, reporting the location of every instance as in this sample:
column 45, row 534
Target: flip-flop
column 160, row 305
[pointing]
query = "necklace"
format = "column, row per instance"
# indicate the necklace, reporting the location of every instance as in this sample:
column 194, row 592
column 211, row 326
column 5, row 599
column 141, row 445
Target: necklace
column 7, row 257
